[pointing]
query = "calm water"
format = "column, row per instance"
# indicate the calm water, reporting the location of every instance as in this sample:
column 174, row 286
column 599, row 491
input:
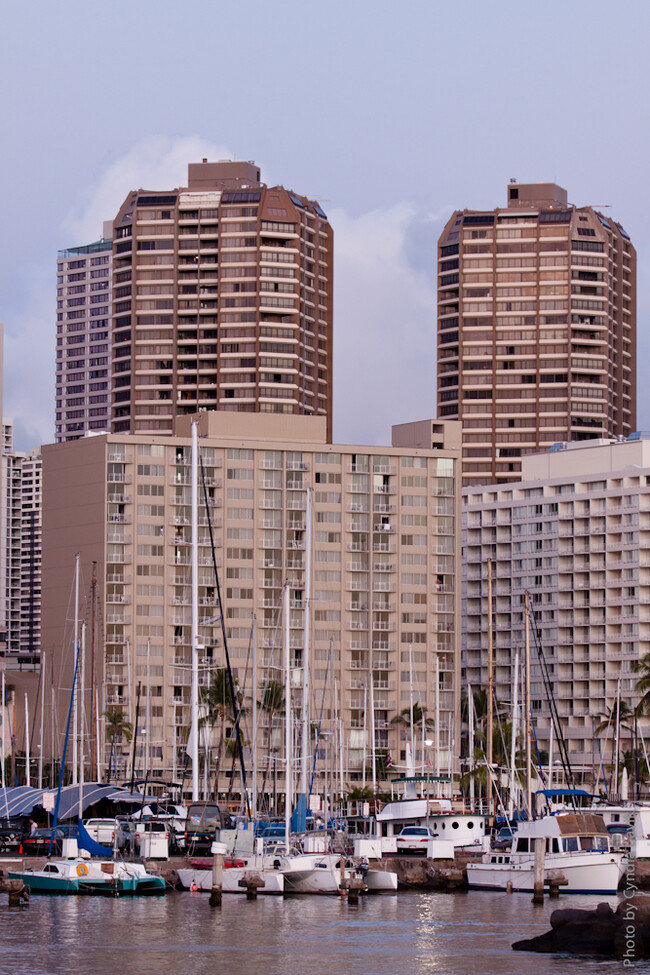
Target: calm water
column 180, row 934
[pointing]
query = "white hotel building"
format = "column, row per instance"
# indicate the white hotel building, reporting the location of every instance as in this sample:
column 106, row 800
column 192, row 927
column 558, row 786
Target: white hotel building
column 575, row 534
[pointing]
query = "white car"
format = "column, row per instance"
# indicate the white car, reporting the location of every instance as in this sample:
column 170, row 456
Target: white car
column 102, row 830
column 414, row 839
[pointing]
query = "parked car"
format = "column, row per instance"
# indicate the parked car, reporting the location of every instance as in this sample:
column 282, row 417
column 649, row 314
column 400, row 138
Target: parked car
column 503, row 839
column 12, row 833
column 414, row 839
column 102, row 830
column 152, row 839
column 38, row 843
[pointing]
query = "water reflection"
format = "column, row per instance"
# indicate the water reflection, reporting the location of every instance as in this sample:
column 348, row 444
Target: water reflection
column 424, row 934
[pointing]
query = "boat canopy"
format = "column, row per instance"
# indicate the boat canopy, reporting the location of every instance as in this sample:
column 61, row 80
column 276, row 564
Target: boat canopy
column 22, row 800
column 565, row 793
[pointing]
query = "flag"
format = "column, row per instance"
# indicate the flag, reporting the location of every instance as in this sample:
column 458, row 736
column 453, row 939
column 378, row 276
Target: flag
column 389, row 761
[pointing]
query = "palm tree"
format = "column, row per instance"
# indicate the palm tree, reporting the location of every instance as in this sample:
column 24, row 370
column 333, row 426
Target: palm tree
column 642, row 667
column 405, row 719
column 217, row 702
column 117, row 727
column 272, row 703
column 622, row 715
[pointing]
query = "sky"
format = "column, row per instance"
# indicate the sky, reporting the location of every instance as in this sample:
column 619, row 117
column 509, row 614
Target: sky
column 391, row 115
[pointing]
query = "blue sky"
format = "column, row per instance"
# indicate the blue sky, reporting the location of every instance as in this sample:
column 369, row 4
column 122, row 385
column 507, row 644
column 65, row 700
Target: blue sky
column 391, row 115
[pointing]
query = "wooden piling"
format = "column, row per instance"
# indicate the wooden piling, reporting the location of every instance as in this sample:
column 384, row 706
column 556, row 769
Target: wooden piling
column 538, row 884
column 218, row 850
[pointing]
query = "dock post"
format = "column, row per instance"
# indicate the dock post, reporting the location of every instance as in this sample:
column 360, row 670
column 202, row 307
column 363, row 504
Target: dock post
column 343, row 884
column 218, row 850
column 538, row 885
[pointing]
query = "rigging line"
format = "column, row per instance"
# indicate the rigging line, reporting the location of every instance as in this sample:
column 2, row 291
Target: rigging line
column 555, row 717
column 320, row 716
column 65, row 749
column 225, row 639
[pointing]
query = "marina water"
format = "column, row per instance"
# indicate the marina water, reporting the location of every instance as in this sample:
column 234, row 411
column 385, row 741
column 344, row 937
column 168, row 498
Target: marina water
column 409, row 932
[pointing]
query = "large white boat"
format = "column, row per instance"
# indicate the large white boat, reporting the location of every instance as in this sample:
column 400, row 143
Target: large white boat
column 577, row 849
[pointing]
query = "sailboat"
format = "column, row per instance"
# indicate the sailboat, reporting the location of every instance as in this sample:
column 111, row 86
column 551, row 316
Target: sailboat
column 70, row 873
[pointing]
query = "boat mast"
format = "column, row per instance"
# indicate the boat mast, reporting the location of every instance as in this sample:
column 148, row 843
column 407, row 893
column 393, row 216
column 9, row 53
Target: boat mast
column 75, row 696
column 288, row 785
column 617, row 736
column 490, row 743
column 306, row 718
column 513, row 737
column 3, row 723
column 194, row 727
column 373, row 749
column 27, row 758
column 94, row 742
column 40, row 753
column 255, row 716
column 529, row 801
column 82, row 709
column 470, row 757
column 411, row 701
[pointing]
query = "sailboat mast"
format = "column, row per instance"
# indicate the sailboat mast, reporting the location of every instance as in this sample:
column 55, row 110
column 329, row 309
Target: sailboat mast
column 3, row 723
column 411, row 702
column 513, row 737
column 82, row 709
column 255, row 716
column 194, row 727
column 287, row 723
column 529, row 801
column 617, row 736
column 27, row 757
column 93, row 675
column 490, row 700
column 40, row 752
column 75, row 695
column 373, row 749
column 470, row 757
column 306, row 719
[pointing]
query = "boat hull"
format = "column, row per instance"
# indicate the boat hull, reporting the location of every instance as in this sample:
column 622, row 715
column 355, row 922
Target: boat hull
column 585, row 874
column 201, row 880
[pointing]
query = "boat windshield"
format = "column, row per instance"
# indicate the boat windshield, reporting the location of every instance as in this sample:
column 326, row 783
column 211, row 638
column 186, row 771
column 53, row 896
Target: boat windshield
column 599, row 843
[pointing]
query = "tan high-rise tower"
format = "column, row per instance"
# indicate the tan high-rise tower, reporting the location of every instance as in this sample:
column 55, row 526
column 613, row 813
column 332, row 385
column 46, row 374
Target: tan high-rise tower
column 536, row 328
column 222, row 300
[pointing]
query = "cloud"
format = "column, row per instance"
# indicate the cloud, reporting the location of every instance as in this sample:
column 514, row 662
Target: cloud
column 384, row 302
column 385, row 323
column 29, row 346
column 154, row 163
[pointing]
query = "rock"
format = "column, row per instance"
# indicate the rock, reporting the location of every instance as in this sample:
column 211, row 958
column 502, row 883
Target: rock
column 622, row 934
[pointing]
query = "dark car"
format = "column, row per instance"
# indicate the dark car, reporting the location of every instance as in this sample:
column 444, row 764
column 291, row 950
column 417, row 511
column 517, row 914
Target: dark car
column 37, row 844
column 12, row 833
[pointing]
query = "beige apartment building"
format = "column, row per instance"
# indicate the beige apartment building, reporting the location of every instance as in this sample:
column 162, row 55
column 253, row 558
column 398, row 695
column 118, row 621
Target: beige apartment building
column 222, row 300
column 536, row 328
column 83, row 338
column 574, row 533
column 373, row 579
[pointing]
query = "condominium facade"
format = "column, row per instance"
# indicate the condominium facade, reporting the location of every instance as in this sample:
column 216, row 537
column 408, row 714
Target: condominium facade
column 574, row 533
column 536, row 328
column 372, row 577
column 20, row 552
column 83, row 338
column 222, row 300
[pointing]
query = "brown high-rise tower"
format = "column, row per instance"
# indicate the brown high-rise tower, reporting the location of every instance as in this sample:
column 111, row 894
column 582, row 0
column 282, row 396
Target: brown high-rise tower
column 536, row 328
column 222, row 300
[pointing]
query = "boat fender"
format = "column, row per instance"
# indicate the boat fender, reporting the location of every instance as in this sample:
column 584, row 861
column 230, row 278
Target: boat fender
column 82, row 870
column 194, row 887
